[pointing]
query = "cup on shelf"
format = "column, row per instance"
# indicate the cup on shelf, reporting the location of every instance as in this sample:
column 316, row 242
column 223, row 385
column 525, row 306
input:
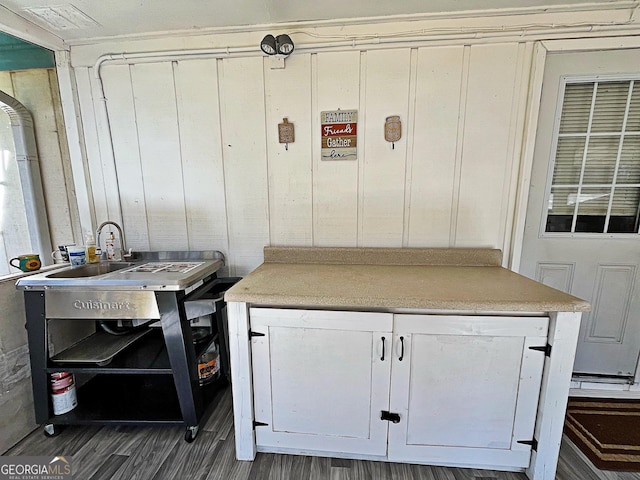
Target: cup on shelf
column 61, row 254
column 77, row 255
column 29, row 262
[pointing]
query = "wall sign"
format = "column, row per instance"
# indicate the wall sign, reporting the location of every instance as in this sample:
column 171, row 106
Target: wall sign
column 286, row 132
column 392, row 129
column 339, row 134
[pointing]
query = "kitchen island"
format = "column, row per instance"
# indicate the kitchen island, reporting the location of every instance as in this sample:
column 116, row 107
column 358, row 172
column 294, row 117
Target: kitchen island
column 429, row 356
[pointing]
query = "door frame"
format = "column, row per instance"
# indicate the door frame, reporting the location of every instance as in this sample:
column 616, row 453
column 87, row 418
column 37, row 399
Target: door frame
column 541, row 49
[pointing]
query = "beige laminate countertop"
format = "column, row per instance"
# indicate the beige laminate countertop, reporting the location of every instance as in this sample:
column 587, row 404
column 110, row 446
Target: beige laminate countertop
column 432, row 279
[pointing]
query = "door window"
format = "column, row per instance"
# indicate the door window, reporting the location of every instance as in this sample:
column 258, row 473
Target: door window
column 595, row 185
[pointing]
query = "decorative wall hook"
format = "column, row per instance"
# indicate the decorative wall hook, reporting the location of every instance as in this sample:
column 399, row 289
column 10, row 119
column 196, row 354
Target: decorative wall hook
column 286, row 133
column 393, row 130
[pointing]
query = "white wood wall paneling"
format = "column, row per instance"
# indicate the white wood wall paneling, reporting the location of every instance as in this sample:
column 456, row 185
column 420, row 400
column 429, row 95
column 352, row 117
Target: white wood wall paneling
column 434, row 138
column 386, row 94
column 119, row 94
column 409, row 132
column 290, row 171
column 34, row 88
column 462, row 112
column 514, row 151
column 245, row 161
column 109, row 174
column 69, row 203
column 335, row 77
column 453, row 185
column 162, row 172
column 201, row 150
column 98, row 188
column 485, row 162
column 68, row 91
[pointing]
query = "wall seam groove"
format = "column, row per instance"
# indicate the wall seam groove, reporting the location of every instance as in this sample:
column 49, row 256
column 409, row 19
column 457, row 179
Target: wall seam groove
column 176, row 95
column 519, row 95
column 267, row 109
column 221, row 108
column 135, row 114
column 457, row 177
column 362, row 112
column 409, row 155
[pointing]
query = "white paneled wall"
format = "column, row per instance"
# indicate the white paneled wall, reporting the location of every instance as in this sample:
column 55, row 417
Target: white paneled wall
column 336, row 84
column 198, row 164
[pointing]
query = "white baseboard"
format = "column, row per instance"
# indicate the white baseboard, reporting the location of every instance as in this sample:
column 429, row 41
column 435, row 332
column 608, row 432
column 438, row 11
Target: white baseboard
column 602, row 392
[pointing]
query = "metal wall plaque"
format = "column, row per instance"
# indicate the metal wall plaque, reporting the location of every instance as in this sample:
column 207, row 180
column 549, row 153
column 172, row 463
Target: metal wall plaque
column 392, row 129
column 286, row 132
column 100, row 304
column 339, row 135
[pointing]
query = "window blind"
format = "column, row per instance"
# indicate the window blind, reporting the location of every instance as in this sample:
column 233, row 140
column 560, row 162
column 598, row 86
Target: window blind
column 596, row 175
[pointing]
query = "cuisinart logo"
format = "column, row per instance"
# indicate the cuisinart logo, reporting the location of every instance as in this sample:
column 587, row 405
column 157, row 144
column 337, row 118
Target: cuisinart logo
column 98, row 305
column 35, row 468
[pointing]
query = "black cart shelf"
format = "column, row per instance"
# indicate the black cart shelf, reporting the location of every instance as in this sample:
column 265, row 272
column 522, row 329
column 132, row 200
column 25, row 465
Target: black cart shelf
column 152, row 381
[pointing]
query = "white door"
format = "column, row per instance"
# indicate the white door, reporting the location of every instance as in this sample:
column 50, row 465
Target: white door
column 581, row 232
column 466, row 389
column 321, row 379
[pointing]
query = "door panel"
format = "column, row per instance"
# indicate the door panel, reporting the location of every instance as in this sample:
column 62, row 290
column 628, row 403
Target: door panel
column 466, row 389
column 443, row 403
column 599, row 267
column 302, row 390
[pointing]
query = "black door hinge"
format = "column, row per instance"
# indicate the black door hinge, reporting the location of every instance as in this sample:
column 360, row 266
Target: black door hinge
column 533, row 443
column 389, row 416
column 255, row 334
column 259, row 424
column 546, row 349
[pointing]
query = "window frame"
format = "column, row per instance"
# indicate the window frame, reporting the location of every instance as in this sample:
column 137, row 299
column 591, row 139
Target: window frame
column 564, row 81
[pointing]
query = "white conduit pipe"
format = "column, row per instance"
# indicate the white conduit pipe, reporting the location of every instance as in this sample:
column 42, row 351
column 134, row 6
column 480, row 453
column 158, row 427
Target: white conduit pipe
column 373, row 42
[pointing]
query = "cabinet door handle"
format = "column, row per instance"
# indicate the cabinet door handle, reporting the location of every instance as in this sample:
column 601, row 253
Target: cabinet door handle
column 382, row 357
column 401, row 349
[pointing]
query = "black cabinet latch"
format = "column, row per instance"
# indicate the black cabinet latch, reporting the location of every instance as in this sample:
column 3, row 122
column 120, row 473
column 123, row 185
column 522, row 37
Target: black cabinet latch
column 389, row 416
column 255, row 334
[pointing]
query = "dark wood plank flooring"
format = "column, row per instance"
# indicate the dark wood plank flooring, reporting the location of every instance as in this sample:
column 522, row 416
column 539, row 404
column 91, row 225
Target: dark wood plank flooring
column 160, row 453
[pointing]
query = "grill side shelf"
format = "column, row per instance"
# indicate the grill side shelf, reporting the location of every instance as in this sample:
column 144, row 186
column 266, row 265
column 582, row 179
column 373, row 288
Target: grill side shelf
column 134, row 353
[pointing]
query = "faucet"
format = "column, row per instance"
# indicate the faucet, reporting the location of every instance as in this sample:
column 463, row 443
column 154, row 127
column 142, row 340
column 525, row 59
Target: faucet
column 99, row 230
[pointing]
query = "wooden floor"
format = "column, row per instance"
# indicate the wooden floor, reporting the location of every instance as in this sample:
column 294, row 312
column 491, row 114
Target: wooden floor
column 160, row 453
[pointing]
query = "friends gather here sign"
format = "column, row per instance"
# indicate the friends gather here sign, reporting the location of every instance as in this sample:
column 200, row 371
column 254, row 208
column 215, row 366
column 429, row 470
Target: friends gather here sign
column 339, row 135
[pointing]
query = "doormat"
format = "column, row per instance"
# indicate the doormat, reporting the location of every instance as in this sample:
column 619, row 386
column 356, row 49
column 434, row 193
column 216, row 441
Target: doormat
column 606, row 430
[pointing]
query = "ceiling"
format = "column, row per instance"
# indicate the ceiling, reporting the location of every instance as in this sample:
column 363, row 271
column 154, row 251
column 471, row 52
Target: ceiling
column 83, row 19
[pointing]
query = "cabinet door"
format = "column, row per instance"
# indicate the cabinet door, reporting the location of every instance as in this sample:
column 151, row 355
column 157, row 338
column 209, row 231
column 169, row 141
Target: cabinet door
column 320, row 380
column 466, row 389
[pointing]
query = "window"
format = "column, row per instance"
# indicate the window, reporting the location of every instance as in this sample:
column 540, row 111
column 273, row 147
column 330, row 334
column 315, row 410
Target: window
column 21, row 202
column 14, row 235
column 595, row 187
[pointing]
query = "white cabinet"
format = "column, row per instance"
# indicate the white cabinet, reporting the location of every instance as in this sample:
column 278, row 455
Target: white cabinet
column 320, row 379
column 464, row 388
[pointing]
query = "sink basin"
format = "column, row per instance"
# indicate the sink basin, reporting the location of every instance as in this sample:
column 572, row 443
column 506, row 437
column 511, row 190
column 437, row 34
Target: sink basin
column 90, row 270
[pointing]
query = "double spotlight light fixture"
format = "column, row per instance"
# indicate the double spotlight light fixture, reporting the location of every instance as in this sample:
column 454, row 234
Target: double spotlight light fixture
column 280, row 45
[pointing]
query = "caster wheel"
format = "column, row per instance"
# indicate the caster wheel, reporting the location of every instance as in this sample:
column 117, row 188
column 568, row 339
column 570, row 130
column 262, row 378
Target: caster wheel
column 51, row 430
column 190, row 434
